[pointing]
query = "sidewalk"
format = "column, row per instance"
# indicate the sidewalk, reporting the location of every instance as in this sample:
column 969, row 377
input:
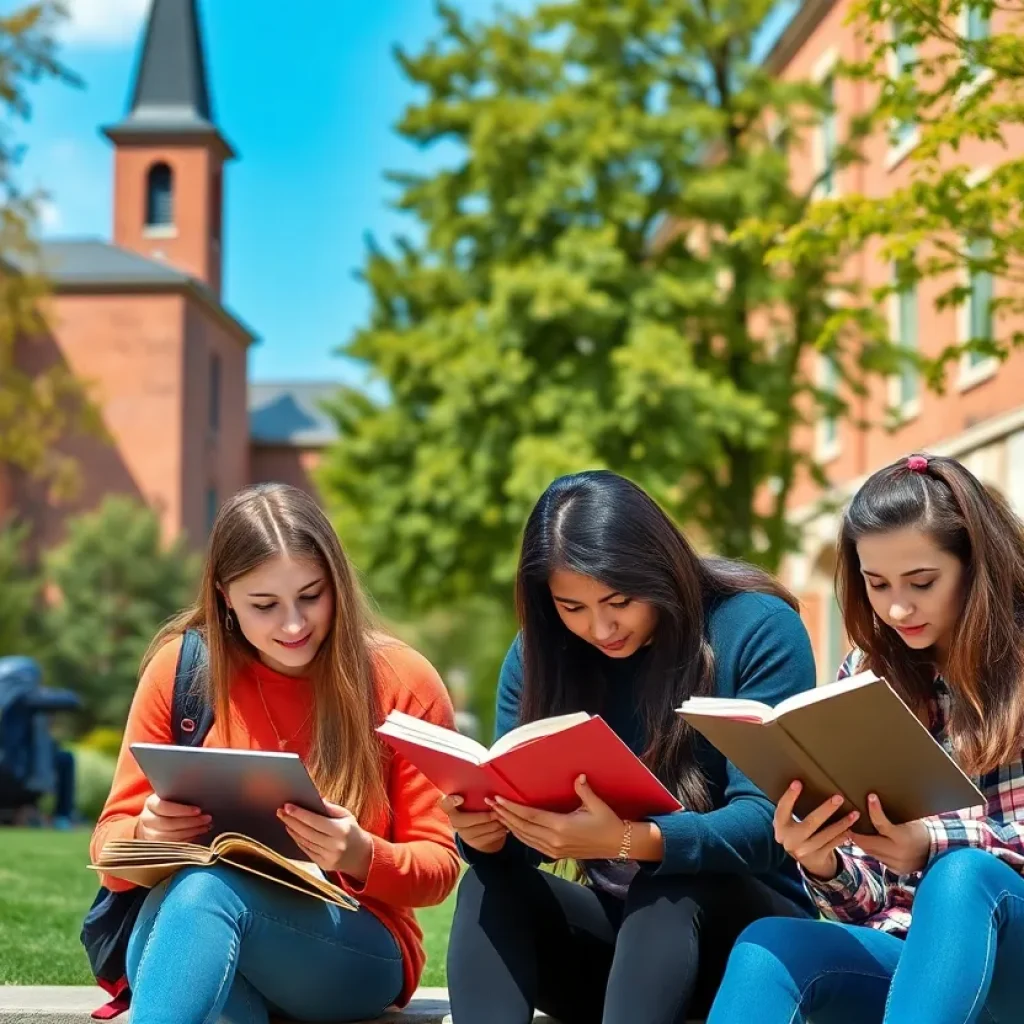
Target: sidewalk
column 69, row 1005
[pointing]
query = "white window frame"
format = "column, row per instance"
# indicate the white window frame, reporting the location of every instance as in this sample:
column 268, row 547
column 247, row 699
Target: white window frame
column 899, row 151
column 971, row 375
column 823, row 69
column 905, row 410
column 986, row 73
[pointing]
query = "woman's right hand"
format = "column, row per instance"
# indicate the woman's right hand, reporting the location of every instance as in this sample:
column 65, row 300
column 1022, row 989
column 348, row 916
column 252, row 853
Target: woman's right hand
column 166, row 822
column 812, row 846
column 482, row 830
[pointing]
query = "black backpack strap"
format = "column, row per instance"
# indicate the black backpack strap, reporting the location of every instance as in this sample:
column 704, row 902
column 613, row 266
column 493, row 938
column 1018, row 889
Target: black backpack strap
column 111, row 919
column 191, row 714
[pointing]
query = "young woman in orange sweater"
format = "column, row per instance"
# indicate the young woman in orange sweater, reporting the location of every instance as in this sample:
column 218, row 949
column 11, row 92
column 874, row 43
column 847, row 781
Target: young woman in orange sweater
column 293, row 666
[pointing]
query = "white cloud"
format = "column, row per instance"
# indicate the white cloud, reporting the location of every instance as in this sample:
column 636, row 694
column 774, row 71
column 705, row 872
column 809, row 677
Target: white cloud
column 103, row 22
column 50, row 218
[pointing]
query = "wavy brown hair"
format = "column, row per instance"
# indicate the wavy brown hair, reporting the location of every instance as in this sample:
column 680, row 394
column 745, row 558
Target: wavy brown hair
column 984, row 667
column 601, row 525
column 257, row 524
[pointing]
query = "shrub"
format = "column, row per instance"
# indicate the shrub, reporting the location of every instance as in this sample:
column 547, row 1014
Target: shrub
column 103, row 739
column 117, row 582
column 94, row 774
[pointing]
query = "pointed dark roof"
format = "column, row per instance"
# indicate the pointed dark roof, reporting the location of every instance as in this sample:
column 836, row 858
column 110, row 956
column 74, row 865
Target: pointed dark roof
column 171, row 97
column 292, row 413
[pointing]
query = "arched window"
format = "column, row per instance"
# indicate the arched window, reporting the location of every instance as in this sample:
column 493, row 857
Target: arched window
column 160, row 197
column 217, row 205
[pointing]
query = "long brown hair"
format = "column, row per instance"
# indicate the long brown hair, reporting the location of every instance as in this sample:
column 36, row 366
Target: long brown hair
column 984, row 667
column 257, row 524
column 604, row 526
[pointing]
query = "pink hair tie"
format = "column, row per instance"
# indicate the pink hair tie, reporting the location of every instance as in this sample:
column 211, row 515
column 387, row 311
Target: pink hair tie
column 917, row 464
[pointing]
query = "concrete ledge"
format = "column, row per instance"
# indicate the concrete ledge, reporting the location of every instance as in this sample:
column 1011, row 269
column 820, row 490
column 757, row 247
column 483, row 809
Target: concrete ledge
column 69, row 1005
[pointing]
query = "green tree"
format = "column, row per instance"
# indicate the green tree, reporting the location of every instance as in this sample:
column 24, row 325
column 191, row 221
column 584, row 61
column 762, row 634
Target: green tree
column 116, row 582
column 19, row 594
column 37, row 408
column 962, row 85
column 467, row 644
column 581, row 295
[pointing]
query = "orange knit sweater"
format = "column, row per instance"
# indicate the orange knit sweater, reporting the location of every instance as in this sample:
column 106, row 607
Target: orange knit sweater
column 414, row 864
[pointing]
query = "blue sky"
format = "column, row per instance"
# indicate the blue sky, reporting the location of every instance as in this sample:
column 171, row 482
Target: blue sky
column 308, row 92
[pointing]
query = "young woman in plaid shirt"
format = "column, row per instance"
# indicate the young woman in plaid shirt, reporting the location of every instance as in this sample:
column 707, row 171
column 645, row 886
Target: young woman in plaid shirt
column 931, row 913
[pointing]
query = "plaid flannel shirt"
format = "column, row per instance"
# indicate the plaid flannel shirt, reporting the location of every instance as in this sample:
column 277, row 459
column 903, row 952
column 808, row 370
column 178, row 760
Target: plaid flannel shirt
column 868, row 893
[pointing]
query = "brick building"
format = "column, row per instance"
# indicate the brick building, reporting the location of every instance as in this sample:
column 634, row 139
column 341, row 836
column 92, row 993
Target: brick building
column 288, row 430
column 142, row 317
column 980, row 419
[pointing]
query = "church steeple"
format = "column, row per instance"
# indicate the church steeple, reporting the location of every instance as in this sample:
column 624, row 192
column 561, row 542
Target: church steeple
column 171, row 95
column 169, row 151
column 172, row 74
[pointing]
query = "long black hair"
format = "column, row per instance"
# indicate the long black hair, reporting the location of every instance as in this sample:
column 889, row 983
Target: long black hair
column 601, row 525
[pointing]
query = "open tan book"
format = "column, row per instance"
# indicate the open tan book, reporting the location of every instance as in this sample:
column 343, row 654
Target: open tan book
column 147, row 863
column 853, row 737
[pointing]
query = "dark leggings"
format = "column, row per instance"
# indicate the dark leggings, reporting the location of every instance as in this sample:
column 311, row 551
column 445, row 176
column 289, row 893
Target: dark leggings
column 524, row 939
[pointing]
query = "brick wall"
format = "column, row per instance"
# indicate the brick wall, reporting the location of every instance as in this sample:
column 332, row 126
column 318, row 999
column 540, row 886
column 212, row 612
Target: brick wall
column 215, row 439
column 193, row 244
column 128, row 351
column 287, row 465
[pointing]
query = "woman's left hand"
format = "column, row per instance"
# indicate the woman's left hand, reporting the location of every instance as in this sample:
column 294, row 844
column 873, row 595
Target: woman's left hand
column 592, row 831
column 334, row 843
column 901, row 848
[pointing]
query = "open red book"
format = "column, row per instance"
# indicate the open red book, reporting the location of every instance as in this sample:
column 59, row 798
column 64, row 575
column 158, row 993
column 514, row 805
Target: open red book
column 536, row 764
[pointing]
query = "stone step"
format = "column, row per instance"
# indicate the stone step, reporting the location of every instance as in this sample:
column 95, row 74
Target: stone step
column 65, row 1004
column 71, row 1005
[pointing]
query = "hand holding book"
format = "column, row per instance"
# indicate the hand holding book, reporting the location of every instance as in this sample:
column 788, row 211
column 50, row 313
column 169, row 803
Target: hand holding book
column 852, row 738
column 204, row 787
column 479, row 830
column 165, row 821
column 901, row 848
column 334, row 842
column 593, row 831
column 535, row 765
column 812, row 841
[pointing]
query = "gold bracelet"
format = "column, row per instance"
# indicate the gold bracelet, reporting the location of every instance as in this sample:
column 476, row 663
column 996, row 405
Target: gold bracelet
column 627, row 842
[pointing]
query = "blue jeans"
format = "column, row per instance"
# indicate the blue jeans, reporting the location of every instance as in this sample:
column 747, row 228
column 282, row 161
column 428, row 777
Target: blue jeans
column 218, row 944
column 962, row 960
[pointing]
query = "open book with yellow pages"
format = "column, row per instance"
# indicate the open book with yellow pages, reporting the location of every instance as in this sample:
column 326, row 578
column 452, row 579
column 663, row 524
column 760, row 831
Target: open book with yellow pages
column 146, row 862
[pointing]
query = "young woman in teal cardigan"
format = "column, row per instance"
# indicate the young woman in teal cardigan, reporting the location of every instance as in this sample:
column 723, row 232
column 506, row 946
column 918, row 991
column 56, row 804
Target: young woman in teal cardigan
column 620, row 617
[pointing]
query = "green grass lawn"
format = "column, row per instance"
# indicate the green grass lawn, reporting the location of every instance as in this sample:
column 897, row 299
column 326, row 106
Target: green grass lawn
column 45, row 890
